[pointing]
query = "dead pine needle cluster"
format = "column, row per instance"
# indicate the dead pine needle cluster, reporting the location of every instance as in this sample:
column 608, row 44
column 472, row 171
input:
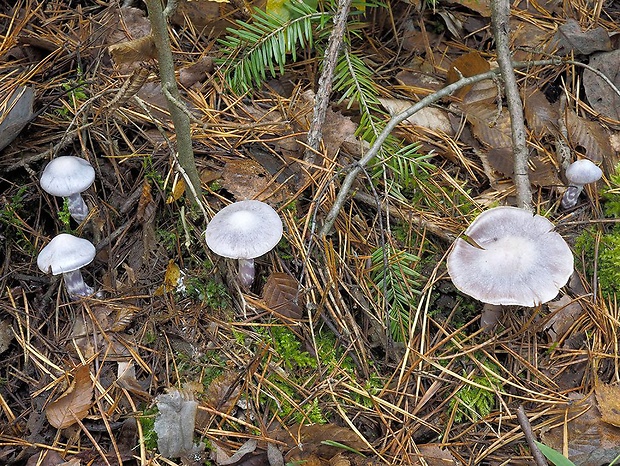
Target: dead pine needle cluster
column 319, row 233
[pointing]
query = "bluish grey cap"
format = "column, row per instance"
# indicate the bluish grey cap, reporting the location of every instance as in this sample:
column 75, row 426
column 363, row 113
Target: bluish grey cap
column 517, row 259
column 65, row 253
column 244, row 230
column 67, row 175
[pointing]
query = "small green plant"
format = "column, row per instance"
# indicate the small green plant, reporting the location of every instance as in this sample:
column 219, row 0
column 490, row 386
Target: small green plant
column 8, row 214
column 555, row 457
column 473, row 402
column 394, row 276
column 211, row 293
column 147, row 421
column 64, row 215
column 75, row 92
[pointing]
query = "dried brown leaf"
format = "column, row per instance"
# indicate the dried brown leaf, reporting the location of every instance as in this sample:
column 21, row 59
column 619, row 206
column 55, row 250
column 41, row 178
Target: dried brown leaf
column 147, row 205
column 434, row 455
column 6, row 335
column 600, row 96
column 489, row 127
column 223, row 392
column 469, row 64
column 591, row 442
column 74, row 403
column 134, row 51
column 431, row 118
column 572, row 39
column 541, row 116
column 127, row 378
column 247, row 179
column 313, row 436
column 482, row 7
column 565, row 311
column 281, row 294
column 587, row 136
column 608, row 399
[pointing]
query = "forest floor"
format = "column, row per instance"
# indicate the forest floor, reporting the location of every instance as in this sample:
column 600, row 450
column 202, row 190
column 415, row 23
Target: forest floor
column 349, row 348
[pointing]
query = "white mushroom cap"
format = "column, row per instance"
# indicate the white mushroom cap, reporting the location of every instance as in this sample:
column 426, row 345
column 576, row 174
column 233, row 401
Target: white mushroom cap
column 582, row 172
column 244, row 230
column 65, row 253
column 67, row 175
column 521, row 259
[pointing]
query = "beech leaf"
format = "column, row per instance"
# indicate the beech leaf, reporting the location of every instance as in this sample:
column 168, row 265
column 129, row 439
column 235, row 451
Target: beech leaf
column 74, row 403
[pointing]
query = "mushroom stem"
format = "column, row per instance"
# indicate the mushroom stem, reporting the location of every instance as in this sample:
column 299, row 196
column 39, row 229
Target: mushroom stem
column 246, row 272
column 77, row 207
column 569, row 199
column 75, row 284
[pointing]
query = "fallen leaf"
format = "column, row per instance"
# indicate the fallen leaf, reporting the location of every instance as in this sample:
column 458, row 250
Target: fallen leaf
column 590, row 441
column 600, row 95
column 588, row 136
column 434, row 455
column 608, row 399
column 147, row 205
column 221, row 458
column 73, row 405
column 247, row 179
column 133, row 52
column 223, row 392
column 570, row 38
column 482, row 7
column 431, row 118
column 312, row 438
column 126, row 378
column 565, row 311
column 542, row 117
column 173, row 279
column 177, row 191
column 465, row 66
column 281, row 295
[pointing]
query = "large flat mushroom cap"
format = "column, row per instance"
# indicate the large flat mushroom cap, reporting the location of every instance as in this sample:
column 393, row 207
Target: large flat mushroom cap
column 65, row 253
column 67, row 175
column 521, row 259
column 244, row 230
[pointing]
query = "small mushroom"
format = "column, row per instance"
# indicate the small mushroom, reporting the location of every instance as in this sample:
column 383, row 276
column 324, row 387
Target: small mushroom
column 578, row 174
column 66, row 254
column 67, row 177
column 244, row 230
column 510, row 257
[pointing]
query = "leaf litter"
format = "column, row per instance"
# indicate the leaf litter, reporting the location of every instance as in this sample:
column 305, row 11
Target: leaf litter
column 304, row 366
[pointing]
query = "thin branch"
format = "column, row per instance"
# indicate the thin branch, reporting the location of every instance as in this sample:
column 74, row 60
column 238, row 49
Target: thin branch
column 524, row 422
column 500, row 13
column 168, row 82
column 355, row 169
column 326, row 81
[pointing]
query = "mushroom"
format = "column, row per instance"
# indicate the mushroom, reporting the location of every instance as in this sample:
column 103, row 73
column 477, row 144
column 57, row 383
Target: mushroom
column 510, row 257
column 578, row 174
column 244, row 230
column 66, row 254
column 67, row 177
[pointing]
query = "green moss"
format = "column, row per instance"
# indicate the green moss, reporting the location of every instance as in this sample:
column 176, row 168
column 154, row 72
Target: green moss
column 473, row 403
column 147, row 421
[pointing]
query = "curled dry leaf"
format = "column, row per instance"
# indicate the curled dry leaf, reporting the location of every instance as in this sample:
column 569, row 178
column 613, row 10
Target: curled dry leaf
column 73, row 405
column 434, row 455
column 590, row 441
column 223, row 392
column 465, row 66
column 608, row 399
column 588, row 135
column 600, row 95
column 431, row 118
column 541, row 116
column 565, row 312
column 281, row 295
column 570, row 38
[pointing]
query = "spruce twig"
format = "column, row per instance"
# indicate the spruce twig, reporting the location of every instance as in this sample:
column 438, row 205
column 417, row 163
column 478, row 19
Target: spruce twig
column 500, row 13
column 181, row 122
column 357, row 167
column 326, row 80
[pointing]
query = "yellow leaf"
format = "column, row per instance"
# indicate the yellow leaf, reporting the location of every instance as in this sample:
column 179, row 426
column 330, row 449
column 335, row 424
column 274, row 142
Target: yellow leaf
column 177, row 192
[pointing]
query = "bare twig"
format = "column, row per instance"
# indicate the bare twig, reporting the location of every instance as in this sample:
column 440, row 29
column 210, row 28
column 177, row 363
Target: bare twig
column 356, row 167
column 500, row 13
column 524, row 422
column 168, row 81
column 321, row 100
